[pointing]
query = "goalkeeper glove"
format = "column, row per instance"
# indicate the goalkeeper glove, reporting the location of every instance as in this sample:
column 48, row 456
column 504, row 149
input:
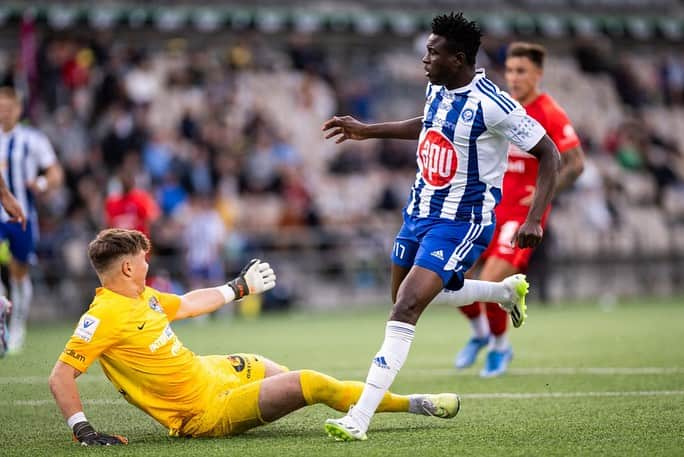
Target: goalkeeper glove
column 256, row 277
column 85, row 434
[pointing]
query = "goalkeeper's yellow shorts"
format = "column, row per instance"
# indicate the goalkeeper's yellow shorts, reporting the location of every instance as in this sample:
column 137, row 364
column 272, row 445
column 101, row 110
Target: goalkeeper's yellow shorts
column 233, row 403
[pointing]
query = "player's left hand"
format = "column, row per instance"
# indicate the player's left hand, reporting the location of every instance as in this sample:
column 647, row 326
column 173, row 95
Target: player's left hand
column 85, row 434
column 13, row 208
column 255, row 278
column 529, row 235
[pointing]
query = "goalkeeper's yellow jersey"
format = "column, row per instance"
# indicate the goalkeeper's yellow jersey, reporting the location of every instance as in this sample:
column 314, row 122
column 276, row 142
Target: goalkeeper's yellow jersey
column 140, row 354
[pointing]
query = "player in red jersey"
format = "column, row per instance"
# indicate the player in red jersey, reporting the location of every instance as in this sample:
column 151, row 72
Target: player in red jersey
column 524, row 68
column 133, row 208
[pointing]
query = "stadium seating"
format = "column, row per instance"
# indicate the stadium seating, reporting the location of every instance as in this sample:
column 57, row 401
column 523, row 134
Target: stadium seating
column 619, row 213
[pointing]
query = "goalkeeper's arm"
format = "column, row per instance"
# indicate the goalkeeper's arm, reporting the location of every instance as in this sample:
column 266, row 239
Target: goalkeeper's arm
column 256, row 277
column 63, row 386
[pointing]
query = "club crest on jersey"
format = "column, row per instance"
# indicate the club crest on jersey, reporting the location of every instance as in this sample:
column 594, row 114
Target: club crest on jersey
column 238, row 362
column 467, row 115
column 154, row 304
column 437, row 159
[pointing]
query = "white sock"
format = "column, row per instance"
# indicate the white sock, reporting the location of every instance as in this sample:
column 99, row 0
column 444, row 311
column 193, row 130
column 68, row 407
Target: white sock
column 386, row 364
column 16, row 319
column 480, row 325
column 501, row 342
column 21, row 295
column 474, row 290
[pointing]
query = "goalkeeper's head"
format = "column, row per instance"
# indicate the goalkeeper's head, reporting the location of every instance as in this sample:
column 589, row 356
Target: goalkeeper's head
column 119, row 258
column 10, row 107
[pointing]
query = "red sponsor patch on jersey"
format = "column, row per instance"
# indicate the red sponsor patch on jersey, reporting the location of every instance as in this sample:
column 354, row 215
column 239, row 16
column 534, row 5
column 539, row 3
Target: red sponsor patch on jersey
column 437, row 159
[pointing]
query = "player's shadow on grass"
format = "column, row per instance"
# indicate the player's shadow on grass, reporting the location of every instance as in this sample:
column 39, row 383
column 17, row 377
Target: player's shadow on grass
column 278, row 433
column 410, row 428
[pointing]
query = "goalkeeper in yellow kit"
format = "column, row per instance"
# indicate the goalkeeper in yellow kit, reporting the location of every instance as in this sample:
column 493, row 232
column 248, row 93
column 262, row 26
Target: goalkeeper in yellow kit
column 127, row 328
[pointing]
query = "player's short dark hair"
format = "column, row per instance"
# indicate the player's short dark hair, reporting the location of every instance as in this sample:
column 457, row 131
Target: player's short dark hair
column 111, row 244
column 461, row 34
column 10, row 92
column 535, row 52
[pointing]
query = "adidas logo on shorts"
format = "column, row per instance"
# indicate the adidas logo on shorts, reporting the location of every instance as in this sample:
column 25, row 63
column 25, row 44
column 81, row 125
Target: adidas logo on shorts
column 439, row 254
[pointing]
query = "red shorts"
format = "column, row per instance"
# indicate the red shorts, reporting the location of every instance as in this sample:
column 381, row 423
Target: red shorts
column 500, row 245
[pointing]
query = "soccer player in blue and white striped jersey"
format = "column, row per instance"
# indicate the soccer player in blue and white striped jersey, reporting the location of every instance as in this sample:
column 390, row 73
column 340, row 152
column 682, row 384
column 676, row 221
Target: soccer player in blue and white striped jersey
column 463, row 139
column 30, row 168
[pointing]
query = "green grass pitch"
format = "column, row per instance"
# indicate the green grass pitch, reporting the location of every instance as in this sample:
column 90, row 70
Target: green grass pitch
column 584, row 382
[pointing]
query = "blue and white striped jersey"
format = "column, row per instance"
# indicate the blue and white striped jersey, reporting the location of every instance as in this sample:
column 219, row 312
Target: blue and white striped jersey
column 462, row 150
column 24, row 152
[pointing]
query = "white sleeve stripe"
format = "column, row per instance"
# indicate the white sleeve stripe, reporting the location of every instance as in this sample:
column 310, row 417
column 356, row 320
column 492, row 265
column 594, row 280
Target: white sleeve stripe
column 506, row 101
column 494, row 98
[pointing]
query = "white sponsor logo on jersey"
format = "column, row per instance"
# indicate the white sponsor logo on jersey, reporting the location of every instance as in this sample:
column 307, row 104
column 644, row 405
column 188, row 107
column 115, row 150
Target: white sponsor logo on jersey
column 568, row 131
column 516, row 166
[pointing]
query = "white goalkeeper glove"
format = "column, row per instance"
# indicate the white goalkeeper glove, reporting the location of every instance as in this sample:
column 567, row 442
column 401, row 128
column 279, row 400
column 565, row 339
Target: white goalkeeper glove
column 255, row 278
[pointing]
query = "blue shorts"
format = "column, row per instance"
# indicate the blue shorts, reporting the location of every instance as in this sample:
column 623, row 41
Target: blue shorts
column 449, row 248
column 21, row 243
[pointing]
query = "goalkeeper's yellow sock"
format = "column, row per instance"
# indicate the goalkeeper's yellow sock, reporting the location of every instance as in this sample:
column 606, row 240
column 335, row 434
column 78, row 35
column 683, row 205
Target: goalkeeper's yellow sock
column 340, row 395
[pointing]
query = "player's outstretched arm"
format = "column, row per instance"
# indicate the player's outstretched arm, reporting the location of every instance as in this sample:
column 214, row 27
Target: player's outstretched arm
column 347, row 128
column 255, row 278
column 63, row 386
column 530, row 232
column 11, row 205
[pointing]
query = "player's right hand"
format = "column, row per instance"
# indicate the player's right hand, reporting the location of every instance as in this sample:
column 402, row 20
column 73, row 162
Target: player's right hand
column 85, row 434
column 5, row 306
column 346, row 127
column 13, row 208
column 255, row 278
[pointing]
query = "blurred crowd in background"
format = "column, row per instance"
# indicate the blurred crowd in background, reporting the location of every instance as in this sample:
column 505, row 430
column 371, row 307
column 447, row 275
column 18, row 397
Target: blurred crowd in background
column 222, row 149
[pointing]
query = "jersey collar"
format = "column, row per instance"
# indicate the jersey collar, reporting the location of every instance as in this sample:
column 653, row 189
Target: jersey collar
column 4, row 134
column 479, row 74
column 103, row 292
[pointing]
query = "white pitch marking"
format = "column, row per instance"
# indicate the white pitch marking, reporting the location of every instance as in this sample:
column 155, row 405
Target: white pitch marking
column 560, row 371
column 96, row 401
column 44, row 379
column 535, row 395
column 478, row 396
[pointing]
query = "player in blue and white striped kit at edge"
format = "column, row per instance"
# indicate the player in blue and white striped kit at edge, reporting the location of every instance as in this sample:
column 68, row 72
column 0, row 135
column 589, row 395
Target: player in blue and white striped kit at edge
column 30, row 168
column 463, row 137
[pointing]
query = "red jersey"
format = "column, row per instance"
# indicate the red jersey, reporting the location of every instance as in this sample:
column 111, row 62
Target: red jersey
column 521, row 175
column 134, row 210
